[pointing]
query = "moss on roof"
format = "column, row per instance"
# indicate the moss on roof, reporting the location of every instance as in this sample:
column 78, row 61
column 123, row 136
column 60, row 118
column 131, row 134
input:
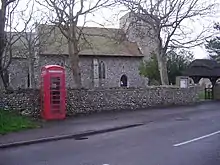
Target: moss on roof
column 94, row 41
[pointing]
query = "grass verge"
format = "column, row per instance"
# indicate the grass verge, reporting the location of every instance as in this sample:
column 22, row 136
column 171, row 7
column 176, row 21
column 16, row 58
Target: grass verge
column 12, row 122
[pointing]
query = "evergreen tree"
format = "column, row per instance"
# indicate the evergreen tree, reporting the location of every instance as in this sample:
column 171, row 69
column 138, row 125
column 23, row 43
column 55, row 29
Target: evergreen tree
column 213, row 45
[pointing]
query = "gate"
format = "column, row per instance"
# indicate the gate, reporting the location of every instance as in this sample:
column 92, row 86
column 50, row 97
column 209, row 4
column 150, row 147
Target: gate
column 209, row 94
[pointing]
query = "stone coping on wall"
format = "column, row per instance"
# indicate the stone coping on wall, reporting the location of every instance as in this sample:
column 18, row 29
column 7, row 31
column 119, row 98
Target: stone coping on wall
column 99, row 89
column 131, row 88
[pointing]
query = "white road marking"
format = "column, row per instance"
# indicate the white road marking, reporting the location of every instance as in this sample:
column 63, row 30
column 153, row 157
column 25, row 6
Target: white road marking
column 196, row 139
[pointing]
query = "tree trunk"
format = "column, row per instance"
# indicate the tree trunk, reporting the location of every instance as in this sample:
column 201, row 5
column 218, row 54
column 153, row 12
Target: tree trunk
column 30, row 70
column 4, row 81
column 31, row 67
column 74, row 59
column 162, row 65
column 2, row 44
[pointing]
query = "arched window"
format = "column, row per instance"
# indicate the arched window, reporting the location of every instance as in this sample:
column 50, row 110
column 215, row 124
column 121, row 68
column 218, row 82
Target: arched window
column 124, row 81
column 101, row 70
column 28, row 80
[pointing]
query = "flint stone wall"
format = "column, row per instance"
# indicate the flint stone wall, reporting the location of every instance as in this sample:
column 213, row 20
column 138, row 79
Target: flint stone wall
column 85, row 101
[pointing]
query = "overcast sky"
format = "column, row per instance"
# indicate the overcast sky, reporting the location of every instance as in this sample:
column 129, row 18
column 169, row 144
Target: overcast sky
column 110, row 18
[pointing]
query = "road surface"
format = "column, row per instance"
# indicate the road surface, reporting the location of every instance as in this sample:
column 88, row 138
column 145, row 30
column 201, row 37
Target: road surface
column 184, row 139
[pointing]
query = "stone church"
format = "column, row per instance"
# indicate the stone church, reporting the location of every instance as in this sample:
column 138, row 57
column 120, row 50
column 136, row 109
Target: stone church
column 108, row 57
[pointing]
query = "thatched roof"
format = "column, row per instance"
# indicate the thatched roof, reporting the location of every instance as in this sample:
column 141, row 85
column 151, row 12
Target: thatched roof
column 205, row 68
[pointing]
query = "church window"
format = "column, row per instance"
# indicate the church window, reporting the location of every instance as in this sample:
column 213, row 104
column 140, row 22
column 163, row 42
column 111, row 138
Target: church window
column 101, row 70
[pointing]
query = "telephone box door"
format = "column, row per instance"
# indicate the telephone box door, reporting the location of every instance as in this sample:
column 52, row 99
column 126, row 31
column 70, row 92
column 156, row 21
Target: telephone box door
column 55, row 94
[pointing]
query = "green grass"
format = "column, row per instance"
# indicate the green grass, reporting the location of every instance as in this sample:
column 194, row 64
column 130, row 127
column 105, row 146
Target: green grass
column 11, row 122
column 201, row 95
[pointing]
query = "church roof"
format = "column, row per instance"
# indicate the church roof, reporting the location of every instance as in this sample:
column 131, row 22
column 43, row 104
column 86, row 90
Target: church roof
column 94, row 41
column 20, row 41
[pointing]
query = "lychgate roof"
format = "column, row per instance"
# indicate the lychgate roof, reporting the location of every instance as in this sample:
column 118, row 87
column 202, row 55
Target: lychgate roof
column 203, row 68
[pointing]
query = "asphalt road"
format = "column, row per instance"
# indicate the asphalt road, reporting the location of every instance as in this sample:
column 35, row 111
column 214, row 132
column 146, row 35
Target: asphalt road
column 186, row 139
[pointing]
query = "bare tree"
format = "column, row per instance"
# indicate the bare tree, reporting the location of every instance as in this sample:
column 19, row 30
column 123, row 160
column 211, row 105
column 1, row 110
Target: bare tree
column 22, row 40
column 25, row 46
column 66, row 15
column 6, row 11
column 167, row 23
column 28, row 38
column 18, row 42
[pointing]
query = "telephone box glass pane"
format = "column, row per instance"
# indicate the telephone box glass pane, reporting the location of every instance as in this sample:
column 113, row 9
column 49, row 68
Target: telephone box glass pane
column 55, row 97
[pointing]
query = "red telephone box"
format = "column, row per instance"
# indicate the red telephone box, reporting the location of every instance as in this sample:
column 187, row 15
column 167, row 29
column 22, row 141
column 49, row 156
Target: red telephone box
column 53, row 92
